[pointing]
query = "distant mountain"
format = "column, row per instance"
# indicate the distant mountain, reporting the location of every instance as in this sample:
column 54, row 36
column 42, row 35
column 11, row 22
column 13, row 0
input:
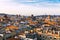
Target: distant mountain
column 6, row 14
column 3, row 14
column 27, row 16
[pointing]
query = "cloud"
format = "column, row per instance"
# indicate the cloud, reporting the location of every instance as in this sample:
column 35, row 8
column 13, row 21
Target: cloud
column 40, row 2
column 37, row 8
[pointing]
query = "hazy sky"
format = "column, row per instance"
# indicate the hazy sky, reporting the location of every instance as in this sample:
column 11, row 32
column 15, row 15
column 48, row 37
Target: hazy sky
column 28, row 7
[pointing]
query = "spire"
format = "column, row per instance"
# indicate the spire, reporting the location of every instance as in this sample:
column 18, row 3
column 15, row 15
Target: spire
column 48, row 17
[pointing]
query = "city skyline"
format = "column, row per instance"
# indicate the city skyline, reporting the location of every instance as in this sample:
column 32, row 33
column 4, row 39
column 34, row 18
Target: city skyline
column 28, row 7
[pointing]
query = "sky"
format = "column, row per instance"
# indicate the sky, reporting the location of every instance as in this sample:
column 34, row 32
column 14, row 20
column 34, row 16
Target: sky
column 28, row 7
